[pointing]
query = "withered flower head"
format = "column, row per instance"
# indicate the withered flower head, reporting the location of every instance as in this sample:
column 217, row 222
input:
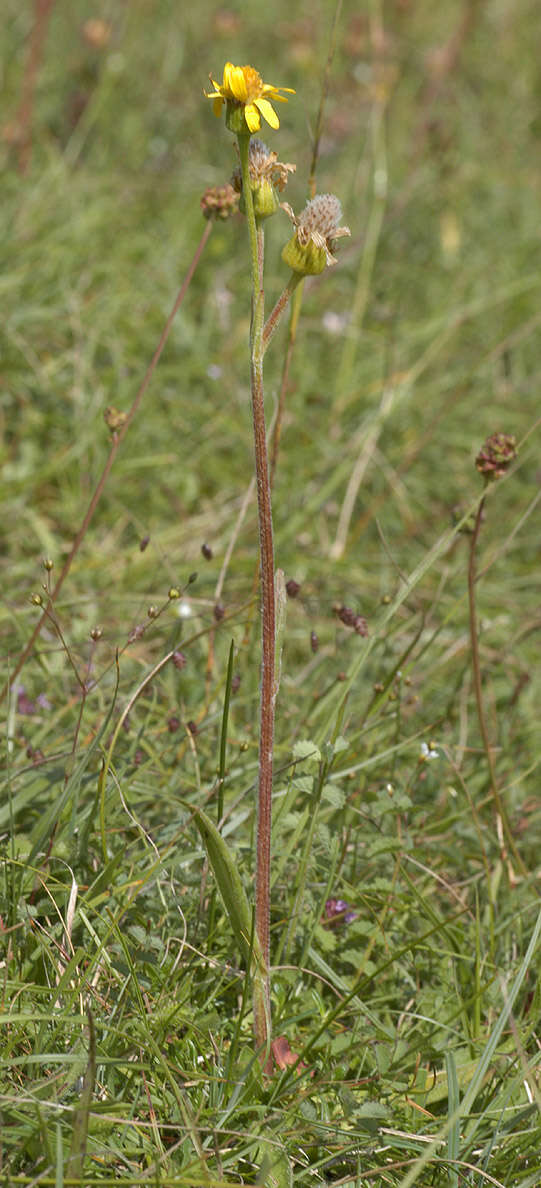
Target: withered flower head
column 264, row 166
column 311, row 248
column 496, row 456
column 267, row 176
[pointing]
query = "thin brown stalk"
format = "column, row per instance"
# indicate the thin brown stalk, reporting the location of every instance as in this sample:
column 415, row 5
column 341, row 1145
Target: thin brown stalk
column 117, row 438
column 446, row 61
column 42, row 12
column 246, row 501
column 291, row 340
column 502, row 824
column 323, row 99
column 296, row 302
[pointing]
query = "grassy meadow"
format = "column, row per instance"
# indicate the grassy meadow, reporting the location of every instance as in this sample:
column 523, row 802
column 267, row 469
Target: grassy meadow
column 406, row 839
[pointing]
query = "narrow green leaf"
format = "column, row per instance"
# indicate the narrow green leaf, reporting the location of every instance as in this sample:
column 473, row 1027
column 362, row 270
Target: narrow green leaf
column 223, row 737
column 280, row 598
column 59, row 1165
column 453, row 1102
column 80, row 1121
column 230, row 886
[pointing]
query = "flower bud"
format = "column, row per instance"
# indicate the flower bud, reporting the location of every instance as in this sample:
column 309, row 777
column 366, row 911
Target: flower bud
column 292, row 588
column 114, row 418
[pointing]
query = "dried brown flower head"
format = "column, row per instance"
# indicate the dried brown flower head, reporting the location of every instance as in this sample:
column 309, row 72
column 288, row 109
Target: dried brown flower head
column 219, row 202
column 264, row 166
column 496, row 456
column 350, row 618
column 268, row 175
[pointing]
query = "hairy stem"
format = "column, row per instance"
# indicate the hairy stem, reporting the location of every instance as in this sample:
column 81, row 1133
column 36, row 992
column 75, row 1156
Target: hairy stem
column 279, row 309
column 262, row 1019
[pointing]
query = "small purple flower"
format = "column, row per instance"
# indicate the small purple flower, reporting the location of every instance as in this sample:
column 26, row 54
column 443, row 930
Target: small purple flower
column 26, row 706
column 337, row 911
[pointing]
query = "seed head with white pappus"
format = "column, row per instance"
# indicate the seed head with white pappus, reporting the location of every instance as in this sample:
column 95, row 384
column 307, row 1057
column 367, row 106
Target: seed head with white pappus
column 310, row 250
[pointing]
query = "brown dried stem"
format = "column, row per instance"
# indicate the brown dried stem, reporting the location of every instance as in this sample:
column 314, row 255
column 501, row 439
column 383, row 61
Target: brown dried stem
column 502, row 824
column 42, row 12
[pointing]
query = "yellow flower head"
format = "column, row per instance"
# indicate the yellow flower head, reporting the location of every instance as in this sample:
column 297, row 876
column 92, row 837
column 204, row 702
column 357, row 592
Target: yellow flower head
column 246, row 96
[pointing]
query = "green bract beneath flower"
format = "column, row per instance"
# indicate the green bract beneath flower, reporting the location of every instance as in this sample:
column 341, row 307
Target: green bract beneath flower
column 247, row 98
column 309, row 251
column 267, row 175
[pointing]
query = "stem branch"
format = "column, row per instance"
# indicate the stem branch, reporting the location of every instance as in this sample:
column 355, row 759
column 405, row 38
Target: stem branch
column 274, row 318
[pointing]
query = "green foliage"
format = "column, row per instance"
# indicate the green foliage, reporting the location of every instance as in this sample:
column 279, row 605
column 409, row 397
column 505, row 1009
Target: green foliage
column 413, row 1010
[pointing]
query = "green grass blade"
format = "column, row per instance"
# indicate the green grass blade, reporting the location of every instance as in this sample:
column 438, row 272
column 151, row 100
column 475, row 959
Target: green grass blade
column 453, row 1103
column 80, row 1122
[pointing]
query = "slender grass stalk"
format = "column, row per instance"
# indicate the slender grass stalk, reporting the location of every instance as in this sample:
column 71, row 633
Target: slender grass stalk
column 333, row 37
column 502, row 824
column 42, row 13
column 223, row 739
column 296, row 305
column 262, row 1017
column 305, row 858
column 344, row 392
column 221, row 771
column 359, row 304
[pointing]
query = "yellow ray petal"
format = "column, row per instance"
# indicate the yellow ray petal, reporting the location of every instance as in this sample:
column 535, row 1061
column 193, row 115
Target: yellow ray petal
column 268, row 112
column 268, row 89
column 252, row 117
column 236, row 82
